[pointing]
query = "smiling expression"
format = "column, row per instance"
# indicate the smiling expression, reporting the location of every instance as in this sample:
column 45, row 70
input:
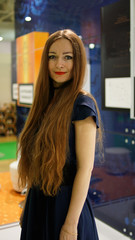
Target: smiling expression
column 61, row 61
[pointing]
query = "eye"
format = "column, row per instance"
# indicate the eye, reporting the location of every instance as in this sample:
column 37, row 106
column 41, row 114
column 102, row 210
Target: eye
column 68, row 57
column 51, row 56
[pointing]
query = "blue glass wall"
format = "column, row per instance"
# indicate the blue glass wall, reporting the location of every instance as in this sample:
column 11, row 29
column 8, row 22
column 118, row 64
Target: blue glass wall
column 113, row 180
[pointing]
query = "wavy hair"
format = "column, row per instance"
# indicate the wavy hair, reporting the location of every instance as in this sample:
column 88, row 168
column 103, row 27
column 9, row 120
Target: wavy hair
column 44, row 139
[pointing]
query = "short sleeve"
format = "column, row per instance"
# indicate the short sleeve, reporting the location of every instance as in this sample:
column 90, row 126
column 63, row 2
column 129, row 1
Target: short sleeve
column 84, row 107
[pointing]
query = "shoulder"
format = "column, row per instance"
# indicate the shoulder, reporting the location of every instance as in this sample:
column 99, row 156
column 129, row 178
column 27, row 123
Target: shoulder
column 86, row 100
column 85, row 106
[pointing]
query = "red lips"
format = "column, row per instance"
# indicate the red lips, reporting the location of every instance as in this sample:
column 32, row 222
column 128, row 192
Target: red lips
column 60, row 73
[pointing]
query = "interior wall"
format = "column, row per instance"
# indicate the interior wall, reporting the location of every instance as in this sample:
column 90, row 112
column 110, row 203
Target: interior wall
column 5, row 72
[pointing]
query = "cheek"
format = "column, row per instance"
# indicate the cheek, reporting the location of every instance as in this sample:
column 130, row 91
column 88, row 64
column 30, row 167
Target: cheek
column 71, row 69
column 50, row 68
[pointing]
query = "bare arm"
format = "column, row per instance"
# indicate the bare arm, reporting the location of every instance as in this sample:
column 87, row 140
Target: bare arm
column 85, row 136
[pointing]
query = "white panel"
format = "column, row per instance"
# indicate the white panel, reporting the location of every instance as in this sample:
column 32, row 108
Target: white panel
column 118, row 92
column 86, row 86
column 132, row 54
column 26, row 93
column 15, row 91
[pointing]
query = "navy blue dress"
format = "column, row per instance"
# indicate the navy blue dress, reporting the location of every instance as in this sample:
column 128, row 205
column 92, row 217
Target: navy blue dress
column 45, row 215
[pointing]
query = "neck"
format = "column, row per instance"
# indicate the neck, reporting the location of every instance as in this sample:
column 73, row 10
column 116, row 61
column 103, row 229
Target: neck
column 57, row 85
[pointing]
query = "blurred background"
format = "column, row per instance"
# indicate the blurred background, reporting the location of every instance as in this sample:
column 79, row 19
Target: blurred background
column 106, row 28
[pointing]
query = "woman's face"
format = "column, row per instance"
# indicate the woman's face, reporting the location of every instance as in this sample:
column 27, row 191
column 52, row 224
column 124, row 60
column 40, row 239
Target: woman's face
column 61, row 61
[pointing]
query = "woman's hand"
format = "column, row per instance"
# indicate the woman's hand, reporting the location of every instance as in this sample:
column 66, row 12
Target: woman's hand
column 68, row 232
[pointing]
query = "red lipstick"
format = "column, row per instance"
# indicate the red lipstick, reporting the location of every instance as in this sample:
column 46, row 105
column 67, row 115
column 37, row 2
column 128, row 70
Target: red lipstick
column 59, row 73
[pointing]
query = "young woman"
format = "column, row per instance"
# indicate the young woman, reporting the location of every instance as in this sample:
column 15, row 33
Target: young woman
column 57, row 146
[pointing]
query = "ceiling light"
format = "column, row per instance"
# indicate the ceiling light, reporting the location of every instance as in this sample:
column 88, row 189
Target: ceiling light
column 1, row 38
column 28, row 19
column 80, row 36
column 91, row 45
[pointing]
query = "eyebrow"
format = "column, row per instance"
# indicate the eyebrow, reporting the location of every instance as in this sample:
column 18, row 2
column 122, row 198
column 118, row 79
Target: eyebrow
column 63, row 53
column 67, row 52
column 52, row 52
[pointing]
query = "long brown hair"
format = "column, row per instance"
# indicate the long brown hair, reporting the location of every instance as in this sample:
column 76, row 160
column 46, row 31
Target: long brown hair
column 44, row 139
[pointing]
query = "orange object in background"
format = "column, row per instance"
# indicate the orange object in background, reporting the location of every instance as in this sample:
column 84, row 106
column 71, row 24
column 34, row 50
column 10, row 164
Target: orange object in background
column 10, row 200
column 29, row 50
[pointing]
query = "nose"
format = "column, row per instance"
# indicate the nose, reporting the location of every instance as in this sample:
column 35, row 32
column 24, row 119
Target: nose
column 60, row 63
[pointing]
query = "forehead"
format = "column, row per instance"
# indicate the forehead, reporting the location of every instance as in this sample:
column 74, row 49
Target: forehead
column 61, row 45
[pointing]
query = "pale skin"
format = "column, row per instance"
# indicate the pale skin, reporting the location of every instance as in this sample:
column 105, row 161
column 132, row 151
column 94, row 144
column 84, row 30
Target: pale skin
column 60, row 61
column 85, row 137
